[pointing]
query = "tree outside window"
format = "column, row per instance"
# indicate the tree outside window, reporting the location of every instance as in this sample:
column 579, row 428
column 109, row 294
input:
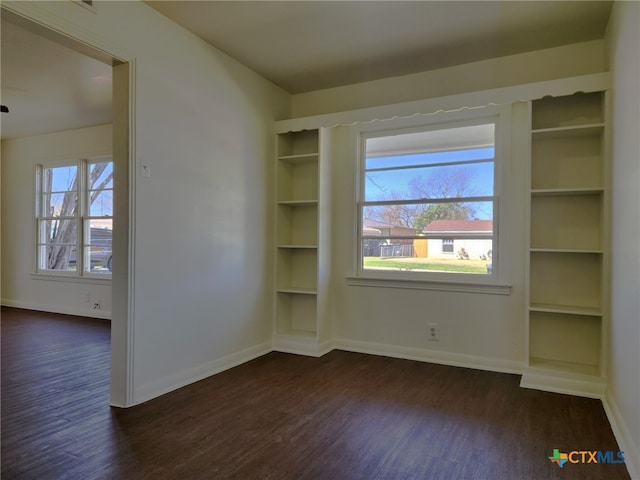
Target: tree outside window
column 75, row 217
column 427, row 194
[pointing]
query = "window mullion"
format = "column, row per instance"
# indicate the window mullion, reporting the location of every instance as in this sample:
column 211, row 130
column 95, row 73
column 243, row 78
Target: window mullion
column 418, row 201
column 84, row 214
column 431, row 165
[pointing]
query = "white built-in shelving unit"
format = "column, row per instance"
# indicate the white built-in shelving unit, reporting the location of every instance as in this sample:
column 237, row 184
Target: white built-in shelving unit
column 568, row 261
column 302, row 243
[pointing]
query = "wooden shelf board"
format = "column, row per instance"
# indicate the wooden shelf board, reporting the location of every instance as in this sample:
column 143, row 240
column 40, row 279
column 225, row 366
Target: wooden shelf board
column 292, row 332
column 568, row 368
column 567, row 309
column 570, row 130
column 565, row 250
column 298, row 290
column 298, row 203
column 554, row 192
column 299, row 158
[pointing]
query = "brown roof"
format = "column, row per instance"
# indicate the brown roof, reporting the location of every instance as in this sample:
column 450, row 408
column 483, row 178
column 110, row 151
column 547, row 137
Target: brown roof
column 453, row 226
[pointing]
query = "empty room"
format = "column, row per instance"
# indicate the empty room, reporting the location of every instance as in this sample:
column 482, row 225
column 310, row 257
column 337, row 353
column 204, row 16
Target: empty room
column 320, row 240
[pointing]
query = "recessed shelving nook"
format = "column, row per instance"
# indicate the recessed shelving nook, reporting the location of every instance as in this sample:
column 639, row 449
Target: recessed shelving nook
column 301, row 242
column 567, row 262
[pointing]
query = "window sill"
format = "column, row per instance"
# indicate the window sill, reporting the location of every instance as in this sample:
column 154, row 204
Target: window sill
column 486, row 288
column 70, row 279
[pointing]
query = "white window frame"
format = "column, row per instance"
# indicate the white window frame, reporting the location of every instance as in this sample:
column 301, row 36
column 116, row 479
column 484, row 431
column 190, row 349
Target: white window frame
column 494, row 282
column 449, row 242
column 82, row 216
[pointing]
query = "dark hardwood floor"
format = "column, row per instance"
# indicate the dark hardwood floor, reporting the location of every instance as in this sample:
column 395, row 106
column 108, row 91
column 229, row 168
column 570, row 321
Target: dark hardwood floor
column 343, row 416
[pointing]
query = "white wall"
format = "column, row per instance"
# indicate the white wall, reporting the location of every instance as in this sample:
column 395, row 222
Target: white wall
column 549, row 64
column 476, row 329
column 623, row 394
column 19, row 287
column 203, row 226
column 481, row 330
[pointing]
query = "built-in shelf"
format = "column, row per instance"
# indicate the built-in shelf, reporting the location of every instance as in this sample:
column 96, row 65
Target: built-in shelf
column 566, row 163
column 296, row 312
column 553, row 192
column 297, row 268
column 569, row 131
column 299, row 291
column 296, row 334
column 564, row 367
column 567, row 245
column 565, row 250
column 299, row 158
column 301, row 205
column 566, row 221
column 571, row 310
column 568, row 279
column 565, row 338
column 297, row 225
column 298, row 203
column 297, row 182
column 579, row 110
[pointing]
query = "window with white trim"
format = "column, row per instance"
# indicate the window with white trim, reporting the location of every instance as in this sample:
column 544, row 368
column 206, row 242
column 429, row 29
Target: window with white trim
column 74, row 214
column 447, row 245
column 428, row 200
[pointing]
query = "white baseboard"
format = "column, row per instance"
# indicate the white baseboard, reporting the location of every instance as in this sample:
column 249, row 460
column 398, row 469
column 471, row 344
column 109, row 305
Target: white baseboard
column 569, row 384
column 623, row 436
column 301, row 345
column 45, row 307
column 180, row 379
column 431, row 356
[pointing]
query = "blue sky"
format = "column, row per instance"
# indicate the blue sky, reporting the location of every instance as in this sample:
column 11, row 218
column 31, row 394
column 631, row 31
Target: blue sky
column 379, row 185
column 62, row 181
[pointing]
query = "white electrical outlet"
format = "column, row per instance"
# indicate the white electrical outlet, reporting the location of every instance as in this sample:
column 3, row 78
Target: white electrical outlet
column 433, row 332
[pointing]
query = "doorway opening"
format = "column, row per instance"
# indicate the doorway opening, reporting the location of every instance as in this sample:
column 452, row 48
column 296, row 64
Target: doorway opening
column 89, row 96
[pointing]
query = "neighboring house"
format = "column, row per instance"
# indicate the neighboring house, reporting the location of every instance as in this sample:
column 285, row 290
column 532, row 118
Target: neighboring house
column 384, row 246
column 369, row 227
column 451, row 238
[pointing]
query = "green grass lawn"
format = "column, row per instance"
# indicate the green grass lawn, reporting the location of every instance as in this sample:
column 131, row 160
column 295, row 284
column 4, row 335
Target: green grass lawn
column 438, row 265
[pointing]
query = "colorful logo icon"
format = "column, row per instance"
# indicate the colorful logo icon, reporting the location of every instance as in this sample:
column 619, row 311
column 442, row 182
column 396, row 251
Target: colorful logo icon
column 586, row 456
column 559, row 458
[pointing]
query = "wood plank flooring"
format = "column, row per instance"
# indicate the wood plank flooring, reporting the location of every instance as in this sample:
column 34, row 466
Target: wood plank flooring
column 343, row 416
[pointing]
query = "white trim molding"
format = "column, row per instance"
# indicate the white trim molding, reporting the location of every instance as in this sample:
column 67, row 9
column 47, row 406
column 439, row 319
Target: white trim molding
column 560, row 382
column 71, row 34
column 300, row 345
column 431, row 356
column 86, row 279
column 623, row 436
column 497, row 289
column 451, row 103
column 62, row 309
column 181, row 379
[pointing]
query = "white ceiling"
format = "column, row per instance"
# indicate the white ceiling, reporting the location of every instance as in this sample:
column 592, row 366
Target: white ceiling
column 48, row 87
column 299, row 45
column 311, row 45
